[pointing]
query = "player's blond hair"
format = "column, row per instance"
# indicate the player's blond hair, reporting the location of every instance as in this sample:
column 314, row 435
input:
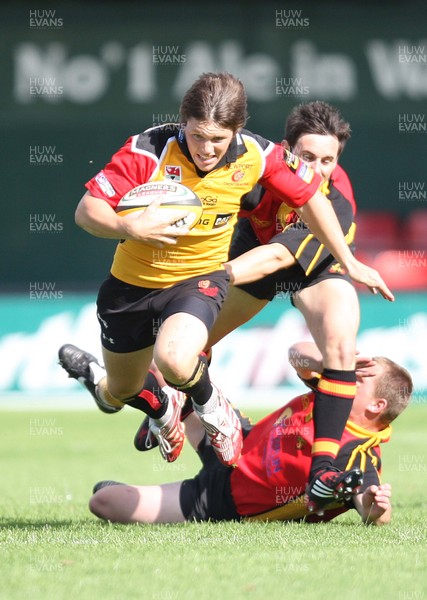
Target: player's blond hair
column 395, row 385
column 218, row 97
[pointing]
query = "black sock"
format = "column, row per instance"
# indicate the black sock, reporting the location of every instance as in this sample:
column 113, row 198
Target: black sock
column 199, row 385
column 151, row 399
column 332, row 405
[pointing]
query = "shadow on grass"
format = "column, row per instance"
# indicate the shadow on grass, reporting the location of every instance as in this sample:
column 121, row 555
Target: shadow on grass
column 17, row 523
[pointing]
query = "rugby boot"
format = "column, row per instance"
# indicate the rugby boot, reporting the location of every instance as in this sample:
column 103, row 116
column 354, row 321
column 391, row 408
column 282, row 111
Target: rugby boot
column 77, row 363
column 331, row 485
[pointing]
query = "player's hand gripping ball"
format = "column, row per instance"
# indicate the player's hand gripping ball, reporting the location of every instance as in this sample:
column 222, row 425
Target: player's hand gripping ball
column 174, row 196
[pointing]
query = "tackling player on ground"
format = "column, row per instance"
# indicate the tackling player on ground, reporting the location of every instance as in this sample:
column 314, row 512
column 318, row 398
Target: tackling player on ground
column 271, row 476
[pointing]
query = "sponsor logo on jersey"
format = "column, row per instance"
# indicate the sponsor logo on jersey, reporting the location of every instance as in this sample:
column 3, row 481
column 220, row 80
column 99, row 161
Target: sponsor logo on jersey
column 305, row 172
column 173, row 172
column 221, row 220
column 291, row 160
column 213, row 221
column 239, row 166
column 209, row 200
column 104, row 184
column 260, row 222
column 300, row 442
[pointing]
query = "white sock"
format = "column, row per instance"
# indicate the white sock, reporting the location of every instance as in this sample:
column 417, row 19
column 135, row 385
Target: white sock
column 165, row 418
column 210, row 406
column 98, row 372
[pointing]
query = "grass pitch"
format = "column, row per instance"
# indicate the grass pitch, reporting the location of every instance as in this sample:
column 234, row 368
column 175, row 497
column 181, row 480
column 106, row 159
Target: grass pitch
column 51, row 547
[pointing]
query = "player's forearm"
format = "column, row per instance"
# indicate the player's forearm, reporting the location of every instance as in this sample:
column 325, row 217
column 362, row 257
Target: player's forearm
column 97, row 217
column 258, row 263
column 322, row 221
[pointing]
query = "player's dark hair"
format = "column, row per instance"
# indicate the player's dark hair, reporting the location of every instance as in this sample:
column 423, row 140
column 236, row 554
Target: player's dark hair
column 218, row 97
column 319, row 118
column 395, row 385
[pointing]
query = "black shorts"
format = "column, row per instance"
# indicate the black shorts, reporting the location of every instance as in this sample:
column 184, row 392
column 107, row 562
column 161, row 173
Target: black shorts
column 208, row 495
column 286, row 282
column 130, row 316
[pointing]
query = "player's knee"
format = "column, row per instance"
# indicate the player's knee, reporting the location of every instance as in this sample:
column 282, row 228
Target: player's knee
column 174, row 368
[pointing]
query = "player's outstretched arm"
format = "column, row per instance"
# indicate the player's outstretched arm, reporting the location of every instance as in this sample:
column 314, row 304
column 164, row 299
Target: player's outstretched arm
column 320, row 217
column 374, row 504
column 98, row 218
column 258, row 263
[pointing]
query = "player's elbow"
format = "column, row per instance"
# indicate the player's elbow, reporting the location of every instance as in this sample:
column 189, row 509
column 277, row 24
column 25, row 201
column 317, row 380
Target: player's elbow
column 80, row 216
column 280, row 256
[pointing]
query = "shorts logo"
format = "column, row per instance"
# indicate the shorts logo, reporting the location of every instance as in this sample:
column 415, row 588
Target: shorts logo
column 172, row 172
column 105, row 185
column 107, row 339
column 205, row 289
column 237, row 176
column 337, row 268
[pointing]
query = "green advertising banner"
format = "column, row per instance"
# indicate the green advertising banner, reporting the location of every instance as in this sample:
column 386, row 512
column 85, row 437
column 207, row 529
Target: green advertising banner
column 79, row 78
column 250, row 364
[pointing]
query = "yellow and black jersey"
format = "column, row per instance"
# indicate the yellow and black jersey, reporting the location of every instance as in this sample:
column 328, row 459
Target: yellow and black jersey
column 161, row 153
column 273, row 221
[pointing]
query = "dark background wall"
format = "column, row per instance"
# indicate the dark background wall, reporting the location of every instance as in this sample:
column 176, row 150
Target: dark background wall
column 79, row 78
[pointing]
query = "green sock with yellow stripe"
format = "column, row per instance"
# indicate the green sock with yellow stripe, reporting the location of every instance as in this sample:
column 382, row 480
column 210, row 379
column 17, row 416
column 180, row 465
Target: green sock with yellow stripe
column 332, row 405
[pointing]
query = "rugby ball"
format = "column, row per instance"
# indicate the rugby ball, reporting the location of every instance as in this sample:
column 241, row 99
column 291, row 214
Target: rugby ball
column 175, row 196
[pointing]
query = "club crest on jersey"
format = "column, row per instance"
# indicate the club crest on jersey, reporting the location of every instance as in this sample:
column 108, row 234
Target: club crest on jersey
column 172, row 172
column 237, row 176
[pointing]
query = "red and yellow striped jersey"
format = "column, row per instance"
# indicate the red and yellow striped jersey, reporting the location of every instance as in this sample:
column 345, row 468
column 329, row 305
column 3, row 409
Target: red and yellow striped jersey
column 270, row 478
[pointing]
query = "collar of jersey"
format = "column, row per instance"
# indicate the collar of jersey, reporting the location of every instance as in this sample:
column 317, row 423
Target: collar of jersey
column 361, row 432
column 324, row 188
